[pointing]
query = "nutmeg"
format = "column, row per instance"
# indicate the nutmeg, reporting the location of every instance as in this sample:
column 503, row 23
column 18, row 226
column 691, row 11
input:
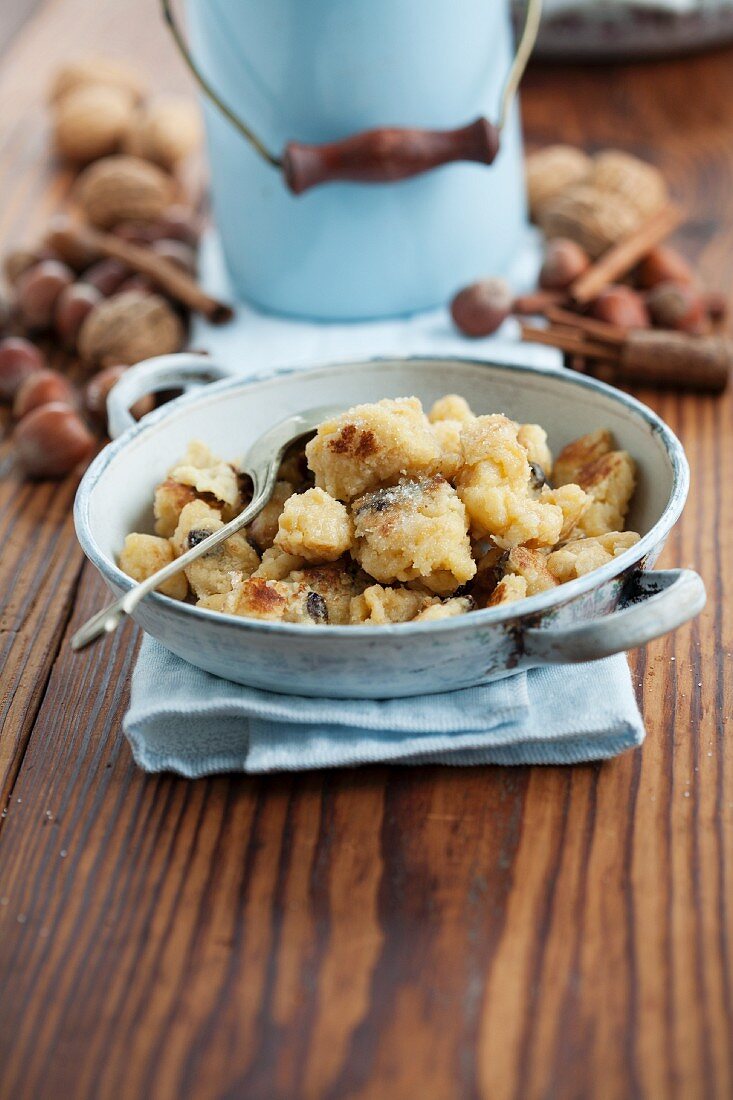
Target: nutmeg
column 679, row 307
column 42, row 388
column 165, row 131
column 92, row 121
column 639, row 184
column 51, row 441
column 19, row 359
column 122, row 188
column 479, row 309
column 552, row 170
column 622, row 306
column 592, row 218
column 38, row 290
column 74, row 304
column 97, row 391
column 663, row 264
column 564, row 262
column 97, row 70
column 128, row 328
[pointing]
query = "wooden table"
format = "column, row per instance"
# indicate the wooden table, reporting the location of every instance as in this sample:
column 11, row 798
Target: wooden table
column 382, row 932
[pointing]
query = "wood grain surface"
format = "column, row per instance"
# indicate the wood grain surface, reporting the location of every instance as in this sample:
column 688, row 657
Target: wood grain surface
column 379, row 932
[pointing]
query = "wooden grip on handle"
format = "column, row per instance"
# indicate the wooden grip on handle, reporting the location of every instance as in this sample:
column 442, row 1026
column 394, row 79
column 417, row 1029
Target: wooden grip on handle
column 676, row 361
column 385, row 155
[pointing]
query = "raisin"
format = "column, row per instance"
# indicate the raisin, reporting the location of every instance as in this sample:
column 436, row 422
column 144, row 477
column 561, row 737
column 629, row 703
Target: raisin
column 196, row 536
column 316, row 607
column 538, row 475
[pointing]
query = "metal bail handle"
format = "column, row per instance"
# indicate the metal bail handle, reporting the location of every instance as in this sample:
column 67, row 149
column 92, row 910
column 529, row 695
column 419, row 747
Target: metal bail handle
column 386, row 154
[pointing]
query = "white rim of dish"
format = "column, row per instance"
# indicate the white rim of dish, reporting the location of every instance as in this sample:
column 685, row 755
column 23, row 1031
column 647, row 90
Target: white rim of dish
column 530, row 606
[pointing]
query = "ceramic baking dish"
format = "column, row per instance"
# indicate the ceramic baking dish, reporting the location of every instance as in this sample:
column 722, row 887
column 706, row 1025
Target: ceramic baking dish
column 614, row 608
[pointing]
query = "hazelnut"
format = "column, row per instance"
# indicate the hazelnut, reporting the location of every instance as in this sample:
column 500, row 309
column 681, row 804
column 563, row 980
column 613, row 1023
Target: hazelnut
column 62, row 240
column 38, row 290
column 19, row 359
column 122, row 188
column 130, row 327
column 97, row 70
column 97, row 391
column 179, row 253
column 51, row 440
column 716, row 305
column 679, row 307
column 140, row 283
column 564, row 262
column 180, row 224
column 165, row 131
column 18, row 261
column 72, row 307
column 622, row 306
column 92, row 121
column 663, row 265
column 106, row 276
column 42, row 388
column 479, row 309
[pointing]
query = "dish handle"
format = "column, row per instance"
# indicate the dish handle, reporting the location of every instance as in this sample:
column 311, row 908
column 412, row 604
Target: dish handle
column 166, row 372
column 661, row 601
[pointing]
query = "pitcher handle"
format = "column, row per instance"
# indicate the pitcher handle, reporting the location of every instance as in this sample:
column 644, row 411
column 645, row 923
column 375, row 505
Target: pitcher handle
column 382, row 155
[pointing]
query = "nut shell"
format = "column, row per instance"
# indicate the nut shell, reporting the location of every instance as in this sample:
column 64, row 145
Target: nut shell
column 122, row 188
column 43, row 388
column 479, row 309
column 38, row 290
column 640, row 184
column 51, row 441
column 552, row 170
column 622, row 306
column 92, row 121
column 678, row 307
column 19, row 359
column 130, row 327
column 97, row 70
column 592, row 218
column 663, row 265
column 165, row 131
column 564, row 262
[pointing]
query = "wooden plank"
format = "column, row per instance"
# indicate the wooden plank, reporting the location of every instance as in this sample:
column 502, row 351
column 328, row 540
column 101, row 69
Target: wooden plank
column 395, row 932
column 40, row 558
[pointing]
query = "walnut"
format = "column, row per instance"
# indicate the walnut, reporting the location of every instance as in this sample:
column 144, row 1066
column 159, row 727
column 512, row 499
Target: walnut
column 97, row 70
column 123, row 188
column 595, row 219
column 641, row 185
column 165, row 131
column 551, row 171
column 91, row 121
column 129, row 327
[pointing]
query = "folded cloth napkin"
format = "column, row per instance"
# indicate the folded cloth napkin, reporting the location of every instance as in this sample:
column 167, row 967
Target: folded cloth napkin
column 184, row 720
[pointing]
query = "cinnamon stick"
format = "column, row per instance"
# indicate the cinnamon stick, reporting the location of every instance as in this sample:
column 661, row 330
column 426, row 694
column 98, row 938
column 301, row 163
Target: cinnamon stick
column 537, row 302
column 620, row 258
column 161, row 271
column 600, row 330
column 572, row 343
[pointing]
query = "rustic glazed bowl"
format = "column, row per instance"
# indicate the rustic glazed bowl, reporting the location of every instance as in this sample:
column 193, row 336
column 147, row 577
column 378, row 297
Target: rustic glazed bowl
column 614, row 608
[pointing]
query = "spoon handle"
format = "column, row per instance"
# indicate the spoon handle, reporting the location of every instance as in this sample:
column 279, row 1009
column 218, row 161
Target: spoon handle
column 109, row 618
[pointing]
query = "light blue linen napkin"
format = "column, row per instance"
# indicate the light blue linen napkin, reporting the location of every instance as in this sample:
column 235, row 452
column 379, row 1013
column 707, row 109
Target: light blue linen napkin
column 184, row 720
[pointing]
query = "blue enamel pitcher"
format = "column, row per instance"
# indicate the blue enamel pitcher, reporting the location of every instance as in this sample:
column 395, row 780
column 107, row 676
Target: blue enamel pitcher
column 346, row 180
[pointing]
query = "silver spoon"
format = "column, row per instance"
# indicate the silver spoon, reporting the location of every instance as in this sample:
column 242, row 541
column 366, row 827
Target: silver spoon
column 261, row 463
